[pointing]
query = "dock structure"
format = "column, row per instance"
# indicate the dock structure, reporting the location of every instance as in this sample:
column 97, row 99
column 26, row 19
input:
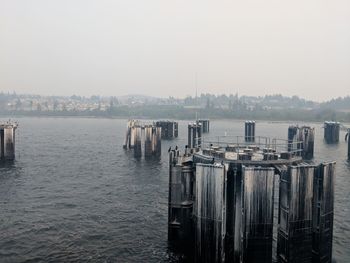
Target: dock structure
column 305, row 135
column 222, row 199
column 143, row 136
column 249, row 131
column 331, row 131
column 205, row 125
column 170, row 129
column 194, row 135
column 7, row 140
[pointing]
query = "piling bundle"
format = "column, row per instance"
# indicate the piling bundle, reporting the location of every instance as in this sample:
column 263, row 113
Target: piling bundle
column 140, row 136
column 205, row 125
column 301, row 140
column 331, row 131
column 249, row 131
column 7, row 140
column 181, row 180
column 170, row 129
column 194, row 135
column 231, row 212
column 210, row 213
column 257, row 212
column 323, row 211
column 295, row 214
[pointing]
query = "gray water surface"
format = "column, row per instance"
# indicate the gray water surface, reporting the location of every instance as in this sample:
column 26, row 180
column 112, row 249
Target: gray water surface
column 74, row 194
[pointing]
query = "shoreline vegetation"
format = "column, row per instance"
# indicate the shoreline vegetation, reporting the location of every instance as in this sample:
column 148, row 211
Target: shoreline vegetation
column 230, row 107
column 178, row 113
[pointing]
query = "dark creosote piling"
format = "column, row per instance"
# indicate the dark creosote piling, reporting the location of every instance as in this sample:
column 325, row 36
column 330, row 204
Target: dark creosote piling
column 331, row 131
column 205, row 125
column 249, row 131
column 170, row 129
column 194, row 135
column 223, row 208
column 7, row 140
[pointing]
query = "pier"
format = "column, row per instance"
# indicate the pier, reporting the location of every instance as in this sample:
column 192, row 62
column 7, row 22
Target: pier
column 7, row 140
column 222, row 200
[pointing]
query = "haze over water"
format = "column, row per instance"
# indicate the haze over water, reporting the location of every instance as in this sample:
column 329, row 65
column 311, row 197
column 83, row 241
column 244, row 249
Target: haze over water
column 74, row 194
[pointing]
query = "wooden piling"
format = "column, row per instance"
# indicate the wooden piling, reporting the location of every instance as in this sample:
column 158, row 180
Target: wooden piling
column 323, row 212
column 257, row 214
column 249, row 131
column 331, row 131
column 7, row 141
column 210, row 213
column 295, row 214
column 205, row 125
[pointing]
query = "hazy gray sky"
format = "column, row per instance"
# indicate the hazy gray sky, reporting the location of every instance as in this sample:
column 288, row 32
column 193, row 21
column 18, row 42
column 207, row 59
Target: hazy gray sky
column 155, row 47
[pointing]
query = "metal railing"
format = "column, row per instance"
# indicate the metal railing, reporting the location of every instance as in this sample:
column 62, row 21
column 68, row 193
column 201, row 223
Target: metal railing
column 260, row 143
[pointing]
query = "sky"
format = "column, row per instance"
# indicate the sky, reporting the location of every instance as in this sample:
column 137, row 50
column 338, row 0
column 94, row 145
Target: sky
column 169, row 47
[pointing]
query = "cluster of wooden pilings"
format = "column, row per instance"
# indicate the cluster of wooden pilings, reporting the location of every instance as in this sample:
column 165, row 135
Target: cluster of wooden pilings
column 7, row 140
column 205, row 125
column 249, row 131
column 170, row 129
column 331, row 131
column 140, row 136
column 302, row 138
column 194, row 135
column 223, row 211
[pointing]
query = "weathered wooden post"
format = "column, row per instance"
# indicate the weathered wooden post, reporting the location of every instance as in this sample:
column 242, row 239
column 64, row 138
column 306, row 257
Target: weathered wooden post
column 136, row 130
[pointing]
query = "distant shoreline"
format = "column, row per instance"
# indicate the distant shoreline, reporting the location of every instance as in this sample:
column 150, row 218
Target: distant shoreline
column 43, row 116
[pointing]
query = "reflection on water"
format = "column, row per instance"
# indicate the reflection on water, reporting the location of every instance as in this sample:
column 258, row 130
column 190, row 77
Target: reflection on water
column 74, row 194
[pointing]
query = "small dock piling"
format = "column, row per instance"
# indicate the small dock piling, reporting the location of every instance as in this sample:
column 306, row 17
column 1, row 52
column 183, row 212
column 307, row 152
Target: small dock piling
column 331, row 131
column 194, row 135
column 140, row 136
column 249, row 131
column 7, row 140
column 302, row 138
column 205, row 125
column 170, row 129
